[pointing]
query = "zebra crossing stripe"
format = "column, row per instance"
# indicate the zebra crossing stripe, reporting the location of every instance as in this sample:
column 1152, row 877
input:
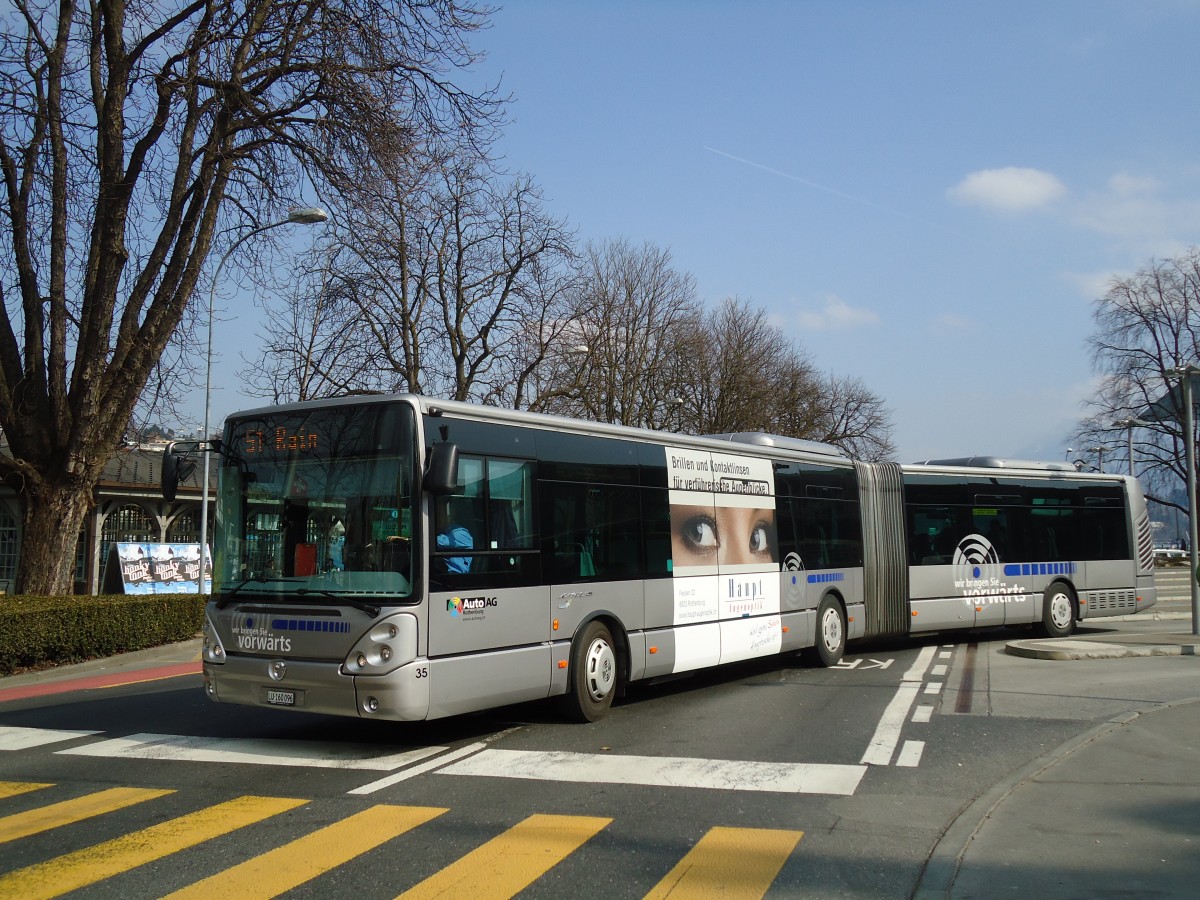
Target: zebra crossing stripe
column 252, row 751
column 13, row 737
column 16, row 788
column 662, row 771
column 729, row 862
column 67, row 812
column 509, row 863
column 93, row 864
column 302, row 860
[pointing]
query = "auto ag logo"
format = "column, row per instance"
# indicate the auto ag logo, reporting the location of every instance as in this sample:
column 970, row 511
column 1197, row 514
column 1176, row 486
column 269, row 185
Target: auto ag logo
column 454, row 606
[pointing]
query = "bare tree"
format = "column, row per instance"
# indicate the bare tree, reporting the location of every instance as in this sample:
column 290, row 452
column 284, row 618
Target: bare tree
column 855, row 419
column 1146, row 325
column 310, row 347
column 742, row 373
column 747, row 375
column 132, row 135
column 621, row 365
column 448, row 268
column 639, row 349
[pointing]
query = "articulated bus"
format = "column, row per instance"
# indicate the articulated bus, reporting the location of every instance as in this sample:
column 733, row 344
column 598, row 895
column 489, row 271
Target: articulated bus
column 400, row 557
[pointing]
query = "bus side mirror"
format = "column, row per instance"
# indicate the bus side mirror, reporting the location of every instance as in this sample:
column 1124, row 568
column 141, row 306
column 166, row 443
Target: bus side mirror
column 176, row 467
column 441, row 473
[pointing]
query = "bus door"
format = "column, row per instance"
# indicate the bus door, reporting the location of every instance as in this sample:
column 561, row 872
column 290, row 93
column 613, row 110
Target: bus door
column 593, row 556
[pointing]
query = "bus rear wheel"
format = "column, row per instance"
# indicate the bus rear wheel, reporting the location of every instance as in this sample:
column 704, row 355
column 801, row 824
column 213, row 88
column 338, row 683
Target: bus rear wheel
column 831, row 634
column 1058, row 611
column 593, row 674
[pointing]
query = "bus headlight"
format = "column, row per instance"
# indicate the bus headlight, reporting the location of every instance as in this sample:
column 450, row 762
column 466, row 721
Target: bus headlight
column 387, row 646
column 212, row 651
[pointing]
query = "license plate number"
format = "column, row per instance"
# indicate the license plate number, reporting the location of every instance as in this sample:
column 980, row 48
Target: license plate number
column 281, row 698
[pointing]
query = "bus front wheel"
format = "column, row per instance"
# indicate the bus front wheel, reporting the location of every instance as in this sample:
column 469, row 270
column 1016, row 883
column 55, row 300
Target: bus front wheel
column 593, row 674
column 1058, row 611
column 831, row 634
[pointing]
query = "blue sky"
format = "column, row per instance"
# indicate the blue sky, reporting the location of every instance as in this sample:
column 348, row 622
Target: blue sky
column 925, row 195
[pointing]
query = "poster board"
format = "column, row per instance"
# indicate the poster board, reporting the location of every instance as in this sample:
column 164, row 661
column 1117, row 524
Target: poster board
column 160, row 568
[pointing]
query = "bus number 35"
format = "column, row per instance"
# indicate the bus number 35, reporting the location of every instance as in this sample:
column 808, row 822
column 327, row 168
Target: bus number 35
column 423, row 672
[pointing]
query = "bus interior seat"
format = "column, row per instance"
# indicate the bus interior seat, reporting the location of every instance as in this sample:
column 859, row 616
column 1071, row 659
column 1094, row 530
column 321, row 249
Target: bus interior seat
column 503, row 533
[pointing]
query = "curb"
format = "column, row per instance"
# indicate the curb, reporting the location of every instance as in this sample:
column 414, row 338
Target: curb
column 1080, row 649
column 941, row 868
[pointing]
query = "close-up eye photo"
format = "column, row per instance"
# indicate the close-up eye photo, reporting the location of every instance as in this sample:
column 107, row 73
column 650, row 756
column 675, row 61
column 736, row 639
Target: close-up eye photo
column 695, row 537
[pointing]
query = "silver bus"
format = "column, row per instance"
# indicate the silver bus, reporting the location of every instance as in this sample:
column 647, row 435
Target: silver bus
column 406, row 558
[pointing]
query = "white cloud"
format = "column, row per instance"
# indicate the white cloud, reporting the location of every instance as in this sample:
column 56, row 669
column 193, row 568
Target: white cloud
column 949, row 323
column 1010, row 189
column 1137, row 211
column 1092, row 285
column 837, row 315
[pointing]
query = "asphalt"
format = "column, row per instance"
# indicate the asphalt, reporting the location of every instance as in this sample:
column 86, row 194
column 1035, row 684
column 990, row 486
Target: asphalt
column 1113, row 812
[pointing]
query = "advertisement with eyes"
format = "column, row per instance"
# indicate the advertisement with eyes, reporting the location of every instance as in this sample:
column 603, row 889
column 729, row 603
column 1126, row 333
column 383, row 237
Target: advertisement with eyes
column 725, row 558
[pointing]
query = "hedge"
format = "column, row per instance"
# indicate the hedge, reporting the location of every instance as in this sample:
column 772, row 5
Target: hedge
column 36, row 632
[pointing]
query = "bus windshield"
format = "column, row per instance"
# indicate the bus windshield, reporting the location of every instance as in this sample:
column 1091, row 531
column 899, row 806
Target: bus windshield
column 318, row 503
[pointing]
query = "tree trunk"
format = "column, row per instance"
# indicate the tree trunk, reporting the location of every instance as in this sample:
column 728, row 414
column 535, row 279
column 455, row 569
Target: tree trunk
column 54, row 515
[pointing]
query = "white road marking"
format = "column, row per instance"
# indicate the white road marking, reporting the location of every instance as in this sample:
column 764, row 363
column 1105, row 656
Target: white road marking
column 910, row 753
column 15, row 738
column 662, row 771
column 922, row 714
column 945, row 654
column 916, row 672
column 939, row 670
column 316, row 754
column 934, row 687
column 887, row 732
column 411, row 771
column 869, row 664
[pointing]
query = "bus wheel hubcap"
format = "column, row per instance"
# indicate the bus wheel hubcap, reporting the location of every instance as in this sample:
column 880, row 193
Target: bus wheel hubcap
column 1060, row 610
column 831, row 629
column 601, row 668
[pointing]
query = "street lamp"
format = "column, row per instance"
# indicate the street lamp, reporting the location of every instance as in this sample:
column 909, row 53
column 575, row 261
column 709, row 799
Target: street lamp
column 304, row 215
column 1186, row 375
column 1129, row 425
column 1099, row 451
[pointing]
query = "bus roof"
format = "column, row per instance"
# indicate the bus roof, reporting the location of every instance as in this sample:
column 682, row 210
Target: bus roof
column 435, row 407
column 762, row 439
column 997, row 462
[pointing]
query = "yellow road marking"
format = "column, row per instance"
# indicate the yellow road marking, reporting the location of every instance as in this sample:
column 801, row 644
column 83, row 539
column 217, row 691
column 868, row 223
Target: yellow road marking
column 305, row 858
column 509, row 863
column 92, row 864
column 729, row 862
column 67, row 812
column 15, row 788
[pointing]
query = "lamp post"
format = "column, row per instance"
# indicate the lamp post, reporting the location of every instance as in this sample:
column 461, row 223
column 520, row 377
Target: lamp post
column 1099, row 451
column 1185, row 374
column 305, row 215
column 1129, row 425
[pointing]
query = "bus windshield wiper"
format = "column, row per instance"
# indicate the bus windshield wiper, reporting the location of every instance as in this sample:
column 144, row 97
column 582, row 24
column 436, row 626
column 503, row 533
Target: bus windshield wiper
column 370, row 609
column 229, row 594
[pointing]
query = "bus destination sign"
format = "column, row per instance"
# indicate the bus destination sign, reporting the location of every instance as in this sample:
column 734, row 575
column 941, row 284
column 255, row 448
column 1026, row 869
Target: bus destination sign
column 279, row 440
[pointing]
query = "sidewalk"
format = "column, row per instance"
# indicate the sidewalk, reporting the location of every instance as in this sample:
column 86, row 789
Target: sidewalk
column 168, row 661
column 1113, row 812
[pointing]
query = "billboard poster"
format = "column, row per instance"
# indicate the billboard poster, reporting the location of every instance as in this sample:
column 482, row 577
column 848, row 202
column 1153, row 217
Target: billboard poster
column 725, row 556
column 163, row 568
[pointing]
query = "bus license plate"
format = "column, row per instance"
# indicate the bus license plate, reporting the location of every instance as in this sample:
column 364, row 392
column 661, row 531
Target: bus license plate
column 281, row 698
